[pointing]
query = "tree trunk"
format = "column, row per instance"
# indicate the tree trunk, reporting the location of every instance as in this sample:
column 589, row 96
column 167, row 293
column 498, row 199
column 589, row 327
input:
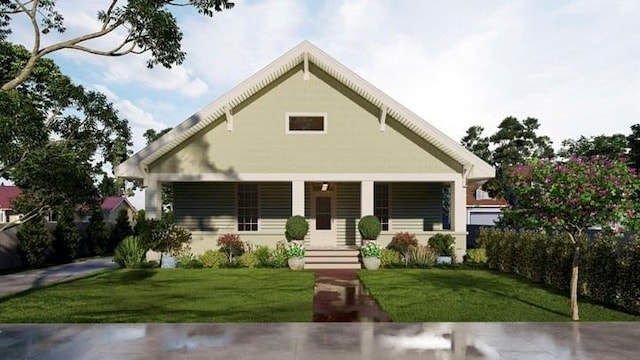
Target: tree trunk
column 574, row 280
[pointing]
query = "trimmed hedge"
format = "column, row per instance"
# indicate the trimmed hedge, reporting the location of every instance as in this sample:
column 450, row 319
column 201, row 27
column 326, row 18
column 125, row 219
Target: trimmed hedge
column 609, row 269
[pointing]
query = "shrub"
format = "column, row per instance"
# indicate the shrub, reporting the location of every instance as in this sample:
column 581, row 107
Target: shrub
column 263, row 255
column 476, row 256
column 401, row 242
column 249, row 259
column 141, row 219
column 129, row 253
column 297, row 228
column 371, row 250
column 231, row 245
column 629, row 276
column 278, row 258
column 213, row 259
column 33, row 242
column 421, row 256
column 97, row 233
column 369, row 227
column 442, row 244
column 184, row 256
column 390, row 258
column 295, row 251
column 67, row 236
column 120, row 230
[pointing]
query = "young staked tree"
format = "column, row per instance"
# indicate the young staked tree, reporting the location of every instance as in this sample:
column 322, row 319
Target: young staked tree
column 135, row 26
column 570, row 196
column 67, row 235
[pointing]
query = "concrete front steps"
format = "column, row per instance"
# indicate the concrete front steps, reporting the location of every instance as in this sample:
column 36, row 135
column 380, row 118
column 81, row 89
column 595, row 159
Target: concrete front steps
column 332, row 258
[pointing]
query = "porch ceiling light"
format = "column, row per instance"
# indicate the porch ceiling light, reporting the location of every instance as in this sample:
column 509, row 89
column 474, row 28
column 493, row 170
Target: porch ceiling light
column 325, row 186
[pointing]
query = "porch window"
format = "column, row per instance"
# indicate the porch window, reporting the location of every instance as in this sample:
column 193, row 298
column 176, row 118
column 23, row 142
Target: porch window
column 381, row 204
column 306, row 123
column 247, row 207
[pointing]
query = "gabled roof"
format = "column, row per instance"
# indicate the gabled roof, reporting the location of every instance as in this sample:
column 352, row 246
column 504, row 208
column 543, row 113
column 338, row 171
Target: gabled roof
column 7, row 194
column 134, row 167
column 111, row 202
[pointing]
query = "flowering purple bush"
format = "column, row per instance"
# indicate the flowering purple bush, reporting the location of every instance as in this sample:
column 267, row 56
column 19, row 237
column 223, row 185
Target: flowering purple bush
column 569, row 196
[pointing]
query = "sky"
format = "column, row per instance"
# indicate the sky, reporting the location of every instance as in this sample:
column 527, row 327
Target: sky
column 573, row 65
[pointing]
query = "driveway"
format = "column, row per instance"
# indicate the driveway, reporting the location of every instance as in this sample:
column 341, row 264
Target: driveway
column 31, row 279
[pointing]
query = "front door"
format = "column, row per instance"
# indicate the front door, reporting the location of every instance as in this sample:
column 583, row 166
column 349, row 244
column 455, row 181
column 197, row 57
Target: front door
column 323, row 224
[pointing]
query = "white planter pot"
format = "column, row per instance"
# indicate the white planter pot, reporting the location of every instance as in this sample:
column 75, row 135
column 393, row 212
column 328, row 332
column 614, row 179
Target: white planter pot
column 443, row 260
column 296, row 263
column 168, row 262
column 371, row 263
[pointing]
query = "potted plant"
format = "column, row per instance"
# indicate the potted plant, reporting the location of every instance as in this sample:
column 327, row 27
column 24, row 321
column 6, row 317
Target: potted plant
column 295, row 256
column 442, row 245
column 369, row 227
column 371, row 254
column 296, row 229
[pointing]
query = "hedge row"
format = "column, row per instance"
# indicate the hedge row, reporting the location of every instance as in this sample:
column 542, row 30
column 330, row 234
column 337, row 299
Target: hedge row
column 609, row 268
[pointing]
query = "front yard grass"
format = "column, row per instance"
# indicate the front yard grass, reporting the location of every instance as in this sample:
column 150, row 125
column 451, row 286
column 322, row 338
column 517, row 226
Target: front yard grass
column 441, row 295
column 160, row 295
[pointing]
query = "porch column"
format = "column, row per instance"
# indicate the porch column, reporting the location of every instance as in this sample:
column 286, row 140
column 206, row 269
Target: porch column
column 153, row 200
column 366, row 198
column 297, row 198
column 458, row 214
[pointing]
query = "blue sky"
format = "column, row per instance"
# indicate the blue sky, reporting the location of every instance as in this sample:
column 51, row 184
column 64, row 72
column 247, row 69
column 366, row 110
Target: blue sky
column 574, row 65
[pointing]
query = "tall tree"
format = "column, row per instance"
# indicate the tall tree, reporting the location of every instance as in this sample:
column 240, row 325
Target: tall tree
column 477, row 144
column 514, row 143
column 570, row 196
column 55, row 136
column 137, row 26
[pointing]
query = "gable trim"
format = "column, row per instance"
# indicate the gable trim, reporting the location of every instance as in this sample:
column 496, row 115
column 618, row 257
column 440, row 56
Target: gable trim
column 135, row 167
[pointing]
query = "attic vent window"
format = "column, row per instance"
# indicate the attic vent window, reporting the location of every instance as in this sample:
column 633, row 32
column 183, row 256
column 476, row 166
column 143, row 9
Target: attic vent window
column 306, row 123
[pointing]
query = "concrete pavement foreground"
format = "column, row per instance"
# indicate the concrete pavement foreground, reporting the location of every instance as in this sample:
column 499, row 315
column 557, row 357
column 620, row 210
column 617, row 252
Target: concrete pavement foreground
column 289, row 341
column 21, row 281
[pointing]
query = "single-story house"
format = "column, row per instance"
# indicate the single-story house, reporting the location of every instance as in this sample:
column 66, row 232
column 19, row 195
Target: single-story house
column 7, row 194
column 307, row 136
column 110, row 206
column 483, row 209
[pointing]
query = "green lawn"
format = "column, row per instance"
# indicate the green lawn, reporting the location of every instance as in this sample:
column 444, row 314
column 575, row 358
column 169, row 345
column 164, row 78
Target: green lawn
column 438, row 295
column 160, row 295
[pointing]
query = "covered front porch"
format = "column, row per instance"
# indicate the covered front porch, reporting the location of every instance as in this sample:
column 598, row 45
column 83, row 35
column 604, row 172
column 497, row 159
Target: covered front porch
column 257, row 208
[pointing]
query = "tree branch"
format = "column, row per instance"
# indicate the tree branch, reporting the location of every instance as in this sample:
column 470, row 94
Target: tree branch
column 26, row 217
column 108, row 13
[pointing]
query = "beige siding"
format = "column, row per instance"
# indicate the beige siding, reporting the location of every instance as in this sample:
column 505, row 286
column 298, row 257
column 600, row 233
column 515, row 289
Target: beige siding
column 205, row 206
column 259, row 143
column 275, row 207
column 348, row 213
column 211, row 207
column 415, row 207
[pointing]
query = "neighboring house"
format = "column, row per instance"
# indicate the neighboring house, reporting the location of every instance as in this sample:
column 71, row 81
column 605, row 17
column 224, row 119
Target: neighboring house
column 113, row 204
column 481, row 208
column 307, row 136
column 7, row 194
column 110, row 206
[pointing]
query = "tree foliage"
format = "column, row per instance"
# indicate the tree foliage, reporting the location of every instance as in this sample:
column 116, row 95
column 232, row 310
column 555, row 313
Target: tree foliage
column 612, row 146
column 570, row 196
column 514, row 143
column 34, row 243
column 55, row 136
column 120, row 230
column 136, row 26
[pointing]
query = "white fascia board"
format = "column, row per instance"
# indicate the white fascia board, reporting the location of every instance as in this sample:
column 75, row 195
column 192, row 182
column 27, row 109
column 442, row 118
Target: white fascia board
column 286, row 177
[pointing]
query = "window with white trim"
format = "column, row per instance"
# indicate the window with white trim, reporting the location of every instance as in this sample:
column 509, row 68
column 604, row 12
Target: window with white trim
column 306, row 123
column 247, row 206
column 381, row 204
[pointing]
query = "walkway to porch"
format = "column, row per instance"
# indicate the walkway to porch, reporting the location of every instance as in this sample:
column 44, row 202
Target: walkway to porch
column 341, row 297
